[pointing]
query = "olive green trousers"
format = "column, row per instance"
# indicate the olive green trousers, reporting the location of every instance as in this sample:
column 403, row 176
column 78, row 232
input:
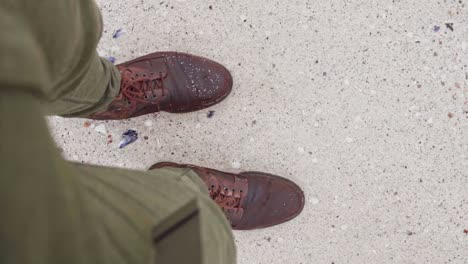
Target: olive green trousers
column 54, row 211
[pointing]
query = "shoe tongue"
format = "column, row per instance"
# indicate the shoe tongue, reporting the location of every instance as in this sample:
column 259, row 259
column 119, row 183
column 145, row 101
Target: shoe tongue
column 214, row 177
column 157, row 66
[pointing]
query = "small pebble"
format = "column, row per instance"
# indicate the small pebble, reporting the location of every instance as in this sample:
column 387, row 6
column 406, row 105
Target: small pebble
column 314, row 200
column 236, row 165
column 210, row 114
column 349, row 140
column 344, row 227
column 148, row 123
column 464, row 45
column 114, row 49
column 449, row 26
column 101, row 129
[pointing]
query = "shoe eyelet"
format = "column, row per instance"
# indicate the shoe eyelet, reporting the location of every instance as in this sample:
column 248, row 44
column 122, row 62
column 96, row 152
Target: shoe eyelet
column 146, row 97
column 241, row 191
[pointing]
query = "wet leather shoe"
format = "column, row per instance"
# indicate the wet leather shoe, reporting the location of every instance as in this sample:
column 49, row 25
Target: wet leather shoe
column 250, row 200
column 167, row 81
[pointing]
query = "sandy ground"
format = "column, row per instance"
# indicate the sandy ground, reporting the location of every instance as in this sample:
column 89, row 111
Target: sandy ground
column 363, row 103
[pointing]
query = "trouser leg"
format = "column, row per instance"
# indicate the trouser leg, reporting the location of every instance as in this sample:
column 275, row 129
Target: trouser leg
column 59, row 212
column 56, row 212
column 51, row 45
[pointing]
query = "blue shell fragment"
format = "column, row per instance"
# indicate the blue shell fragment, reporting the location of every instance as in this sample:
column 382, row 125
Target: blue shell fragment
column 118, row 33
column 111, row 59
column 128, row 138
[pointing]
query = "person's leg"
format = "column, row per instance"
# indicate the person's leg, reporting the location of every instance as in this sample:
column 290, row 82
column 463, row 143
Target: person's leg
column 84, row 85
column 62, row 35
column 59, row 212
column 138, row 212
column 43, row 218
column 68, row 33
column 89, row 89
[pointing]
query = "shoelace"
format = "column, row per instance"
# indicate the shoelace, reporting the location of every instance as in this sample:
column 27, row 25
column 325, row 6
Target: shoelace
column 141, row 87
column 225, row 198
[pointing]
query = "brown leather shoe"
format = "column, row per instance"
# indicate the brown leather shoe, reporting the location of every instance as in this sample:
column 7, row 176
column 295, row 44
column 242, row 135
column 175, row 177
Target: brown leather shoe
column 250, row 200
column 167, row 81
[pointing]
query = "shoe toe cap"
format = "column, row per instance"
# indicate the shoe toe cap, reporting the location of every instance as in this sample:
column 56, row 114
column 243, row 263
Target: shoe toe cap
column 207, row 82
column 271, row 200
